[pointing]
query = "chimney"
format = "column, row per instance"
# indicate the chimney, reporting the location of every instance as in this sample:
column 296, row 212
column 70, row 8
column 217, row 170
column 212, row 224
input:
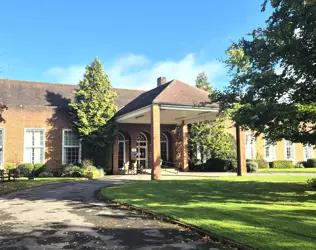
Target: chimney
column 161, row 80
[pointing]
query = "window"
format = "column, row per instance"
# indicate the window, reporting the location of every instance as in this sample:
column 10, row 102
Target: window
column 71, row 147
column 250, row 146
column 164, row 154
column 289, row 150
column 1, row 148
column 121, row 151
column 34, row 145
column 308, row 152
column 269, row 151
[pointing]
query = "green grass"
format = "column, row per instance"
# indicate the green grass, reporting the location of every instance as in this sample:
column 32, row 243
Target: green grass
column 263, row 212
column 22, row 183
column 288, row 170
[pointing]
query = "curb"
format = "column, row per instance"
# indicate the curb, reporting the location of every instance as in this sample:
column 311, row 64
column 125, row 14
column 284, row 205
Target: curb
column 200, row 231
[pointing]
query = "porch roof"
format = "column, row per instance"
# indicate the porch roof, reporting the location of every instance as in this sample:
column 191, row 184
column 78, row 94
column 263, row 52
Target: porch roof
column 179, row 102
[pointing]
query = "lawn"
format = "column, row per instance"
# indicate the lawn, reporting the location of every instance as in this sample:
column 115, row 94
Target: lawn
column 263, row 212
column 22, row 183
column 288, row 170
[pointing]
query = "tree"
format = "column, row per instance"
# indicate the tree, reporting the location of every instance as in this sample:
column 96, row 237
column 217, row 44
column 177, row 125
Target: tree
column 3, row 107
column 210, row 137
column 202, row 82
column 94, row 104
column 273, row 84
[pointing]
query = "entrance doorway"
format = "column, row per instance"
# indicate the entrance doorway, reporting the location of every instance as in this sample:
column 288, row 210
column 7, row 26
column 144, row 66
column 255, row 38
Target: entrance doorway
column 142, row 151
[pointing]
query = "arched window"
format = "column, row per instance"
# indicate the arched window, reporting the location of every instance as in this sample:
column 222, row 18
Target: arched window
column 164, row 147
column 121, row 150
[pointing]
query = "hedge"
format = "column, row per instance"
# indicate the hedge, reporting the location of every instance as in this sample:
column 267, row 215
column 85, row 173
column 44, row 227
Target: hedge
column 311, row 163
column 282, row 164
column 216, row 165
column 252, row 166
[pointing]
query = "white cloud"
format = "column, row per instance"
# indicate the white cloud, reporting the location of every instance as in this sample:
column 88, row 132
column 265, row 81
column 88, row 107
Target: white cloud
column 138, row 72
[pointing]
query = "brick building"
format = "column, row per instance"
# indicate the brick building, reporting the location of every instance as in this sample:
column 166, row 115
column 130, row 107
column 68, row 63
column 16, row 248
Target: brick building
column 152, row 124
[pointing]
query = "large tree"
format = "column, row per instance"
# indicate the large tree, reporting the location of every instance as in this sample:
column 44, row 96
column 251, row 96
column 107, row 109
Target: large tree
column 210, row 137
column 273, row 86
column 94, row 104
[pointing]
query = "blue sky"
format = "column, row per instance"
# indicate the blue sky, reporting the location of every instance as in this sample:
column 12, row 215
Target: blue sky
column 136, row 40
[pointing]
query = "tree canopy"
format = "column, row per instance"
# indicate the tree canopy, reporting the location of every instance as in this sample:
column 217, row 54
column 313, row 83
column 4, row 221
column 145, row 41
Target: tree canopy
column 94, row 103
column 3, row 107
column 273, row 86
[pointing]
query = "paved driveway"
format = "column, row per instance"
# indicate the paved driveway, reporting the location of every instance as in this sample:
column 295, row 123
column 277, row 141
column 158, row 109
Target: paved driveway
column 68, row 216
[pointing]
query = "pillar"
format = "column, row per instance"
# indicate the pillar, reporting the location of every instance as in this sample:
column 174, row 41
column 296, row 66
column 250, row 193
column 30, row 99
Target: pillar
column 155, row 135
column 184, row 161
column 241, row 156
column 115, row 156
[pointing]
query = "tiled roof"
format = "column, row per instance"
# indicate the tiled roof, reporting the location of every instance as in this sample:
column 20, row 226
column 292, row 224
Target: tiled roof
column 26, row 93
column 174, row 92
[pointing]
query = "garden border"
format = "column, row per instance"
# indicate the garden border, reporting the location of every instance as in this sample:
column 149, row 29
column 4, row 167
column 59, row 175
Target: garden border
column 200, row 231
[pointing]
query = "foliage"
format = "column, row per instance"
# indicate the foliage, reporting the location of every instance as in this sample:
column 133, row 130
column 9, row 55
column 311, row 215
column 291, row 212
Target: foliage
column 71, row 171
column 299, row 165
column 252, row 166
column 3, row 107
column 26, row 169
column 273, row 75
column 39, row 168
column 94, row 100
column 261, row 162
column 10, row 165
column 282, row 164
column 261, row 212
column 311, row 163
column 311, row 183
column 202, row 82
column 216, row 165
column 93, row 172
column 87, row 164
column 45, row 174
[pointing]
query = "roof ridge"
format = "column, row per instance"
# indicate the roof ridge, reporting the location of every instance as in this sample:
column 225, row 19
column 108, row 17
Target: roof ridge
column 165, row 87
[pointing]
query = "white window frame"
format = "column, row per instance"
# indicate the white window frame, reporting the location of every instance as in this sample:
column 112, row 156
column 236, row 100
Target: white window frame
column 124, row 147
column 312, row 151
column 63, row 146
column 167, row 144
column 253, row 146
column 273, row 151
column 3, row 141
column 44, row 142
column 293, row 151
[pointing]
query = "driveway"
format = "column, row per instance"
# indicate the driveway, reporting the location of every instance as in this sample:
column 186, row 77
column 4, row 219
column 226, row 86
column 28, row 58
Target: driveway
column 68, row 216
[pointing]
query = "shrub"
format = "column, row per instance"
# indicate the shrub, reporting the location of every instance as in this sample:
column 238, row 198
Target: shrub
column 304, row 163
column 93, row 172
column 71, row 171
column 39, row 168
column 282, row 164
column 45, row 174
column 9, row 165
column 26, row 169
column 261, row 162
column 299, row 165
column 252, row 166
column 57, row 172
column 87, row 164
column 312, row 183
column 217, row 165
column 311, row 163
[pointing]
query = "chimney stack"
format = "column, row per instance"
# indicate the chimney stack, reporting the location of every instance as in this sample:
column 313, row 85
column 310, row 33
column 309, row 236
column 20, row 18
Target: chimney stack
column 161, row 80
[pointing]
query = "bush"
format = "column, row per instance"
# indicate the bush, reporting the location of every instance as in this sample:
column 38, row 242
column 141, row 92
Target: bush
column 299, row 165
column 87, row 164
column 311, row 163
column 9, row 165
column 282, row 164
column 216, row 165
column 71, row 171
column 304, row 163
column 261, row 162
column 252, row 166
column 57, row 172
column 312, row 183
column 39, row 168
column 26, row 169
column 93, row 172
column 45, row 174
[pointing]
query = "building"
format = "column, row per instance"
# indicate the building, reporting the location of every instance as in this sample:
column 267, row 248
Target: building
column 152, row 124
